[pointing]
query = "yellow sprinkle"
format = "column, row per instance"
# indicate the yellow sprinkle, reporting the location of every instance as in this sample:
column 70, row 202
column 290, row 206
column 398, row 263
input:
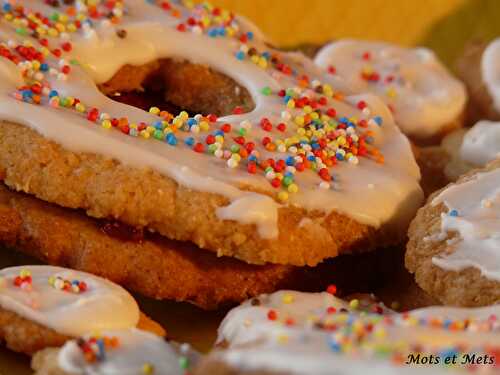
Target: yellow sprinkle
column 263, row 62
column 307, row 109
column 154, row 110
column 106, row 124
column 380, row 333
column 283, row 196
column 293, row 188
column 291, row 103
column 282, row 339
column 391, row 92
column 204, row 126
column 148, row 369
column 288, row 298
column 299, row 120
column 25, row 273
column 144, row 134
column 354, row 304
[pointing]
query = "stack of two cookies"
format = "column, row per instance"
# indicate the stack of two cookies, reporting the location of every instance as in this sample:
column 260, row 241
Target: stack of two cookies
column 211, row 209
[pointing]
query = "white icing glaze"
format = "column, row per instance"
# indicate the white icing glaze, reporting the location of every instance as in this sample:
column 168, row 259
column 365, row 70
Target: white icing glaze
column 481, row 144
column 104, row 305
column 257, row 343
column 136, row 348
column 472, row 148
column 477, row 224
column 490, row 70
column 151, row 35
column 424, row 96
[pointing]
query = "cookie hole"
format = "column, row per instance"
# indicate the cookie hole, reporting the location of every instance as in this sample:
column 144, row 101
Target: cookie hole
column 178, row 85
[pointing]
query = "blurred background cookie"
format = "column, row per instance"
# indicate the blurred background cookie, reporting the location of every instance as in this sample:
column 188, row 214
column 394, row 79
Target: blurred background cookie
column 453, row 245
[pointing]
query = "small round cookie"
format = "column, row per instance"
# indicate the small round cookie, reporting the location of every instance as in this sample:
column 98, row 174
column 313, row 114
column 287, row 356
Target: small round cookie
column 426, row 100
column 459, row 152
column 454, row 241
column 292, row 172
column 479, row 68
column 298, row 333
column 44, row 306
column 124, row 352
column 472, row 148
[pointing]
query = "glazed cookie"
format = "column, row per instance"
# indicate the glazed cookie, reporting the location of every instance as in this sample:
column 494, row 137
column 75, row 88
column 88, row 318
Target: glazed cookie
column 470, row 149
column 454, row 241
column 44, row 306
column 167, row 269
column 426, row 100
column 300, row 174
column 298, row 333
column 459, row 152
column 125, row 352
column 478, row 67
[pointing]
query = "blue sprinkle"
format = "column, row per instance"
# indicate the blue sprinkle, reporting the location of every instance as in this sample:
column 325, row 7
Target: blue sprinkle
column 252, row 158
column 250, row 35
column 344, row 120
column 311, row 158
column 7, row 7
column 339, row 156
column 191, row 122
column 102, row 353
column 335, row 346
column 44, row 67
column 218, row 132
column 189, row 141
column 286, row 98
column 290, row 161
column 240, row 55
column 53, row 93
column 171, row 139
column 453, row 213
column 212, row 33
column 378, row 120
column 266, row 55
column 158, row 125
column 315, row 145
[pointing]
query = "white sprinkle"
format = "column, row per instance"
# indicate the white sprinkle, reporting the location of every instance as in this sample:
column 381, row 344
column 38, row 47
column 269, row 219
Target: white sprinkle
column 324, row 185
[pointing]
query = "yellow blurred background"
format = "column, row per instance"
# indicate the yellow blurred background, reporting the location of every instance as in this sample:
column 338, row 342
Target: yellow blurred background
column 443, row 25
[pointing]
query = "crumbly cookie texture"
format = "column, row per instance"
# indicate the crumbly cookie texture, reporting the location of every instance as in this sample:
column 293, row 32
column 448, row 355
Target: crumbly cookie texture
column 166, row 269
column 105, row 188
column 457, row 288
column 25, row 336
column 468, row 67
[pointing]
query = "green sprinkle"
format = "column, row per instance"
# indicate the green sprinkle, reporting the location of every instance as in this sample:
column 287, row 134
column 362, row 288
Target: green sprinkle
column 266, row 91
